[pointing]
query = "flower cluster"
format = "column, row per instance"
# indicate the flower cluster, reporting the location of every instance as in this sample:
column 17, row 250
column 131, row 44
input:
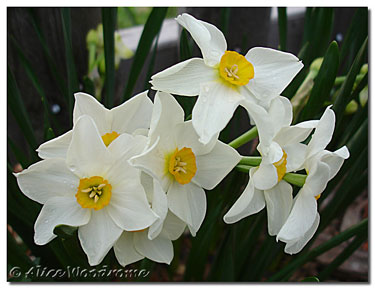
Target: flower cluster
column 133, row 177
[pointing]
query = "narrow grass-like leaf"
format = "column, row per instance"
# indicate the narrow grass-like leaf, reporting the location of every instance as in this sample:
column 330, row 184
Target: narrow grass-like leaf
column 47, row 116
column 150, row 30
column 224, row 20
column 283, row 27
column 344, row 255
column 343, row 97
column 354, row 37
column 61, row 84
column 151, row 65
column 18, row 109
column 19, row 154
column 109, row 18
column 70, row 64
column 285, row 272
column 323, row 82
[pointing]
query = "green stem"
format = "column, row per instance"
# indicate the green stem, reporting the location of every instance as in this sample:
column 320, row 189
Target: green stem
column 357, row 229
column 245, row 138
column 250, row 161
column 340, row 79
column 292, row 178
column 295, row 179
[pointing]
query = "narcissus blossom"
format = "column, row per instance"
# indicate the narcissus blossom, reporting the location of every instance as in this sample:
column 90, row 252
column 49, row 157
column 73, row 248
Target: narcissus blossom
column 182, row 165
column 282, row 152
column 321, row 166
column 129, row 117
column 134, row 246
column 224, row 79
column 93, row 188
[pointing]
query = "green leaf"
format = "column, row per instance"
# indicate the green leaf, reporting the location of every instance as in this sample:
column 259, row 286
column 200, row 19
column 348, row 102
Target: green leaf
column 61, row 84
column 19, row 112
column 310, row 279
column 224, row 20
column 344, row 255
column 19, row 154
column 323, row 82
column 70, row 64
column 298, row 262
column 150, row 69
column 89, row 86
column 283, row 27
column 109, row 18
column 185, row 46
column 343, row 97
column 354, row 37
column 150, row 30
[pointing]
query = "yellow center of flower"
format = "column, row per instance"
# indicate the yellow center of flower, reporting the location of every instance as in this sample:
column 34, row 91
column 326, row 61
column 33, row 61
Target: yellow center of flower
column 281, row 167
column 182, row 165
column 135, row 231
column 317, row 197
column 109, row 137
column 235, row 68
column 94, row 193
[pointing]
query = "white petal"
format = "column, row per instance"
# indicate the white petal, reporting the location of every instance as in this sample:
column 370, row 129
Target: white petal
column 263, row 122
column 160, row 207
column 295, row 246
column 188, row 202
column 250, row 202
column 55, row 148
column 129, row 208
column 184, row 78
column 280, row 112
column 295, row 156
column 132, row 114
column 127, row 146
column 98, row 236
column 125, row 251
column 301, row 217
column 335, row 160
column 166, row 115
column 158, row 250
column 323, row 133
column 87, row 154
column 214, row 108
column 173, row 227
column 273, row 71
column 88, row 105
column 295, row 133
column 152, row 162
column 265, row 177
column 59, row 211
column 186, row 136
column 318, row 177
column 213, row 167
column 279, row 200
column 210, row 40
column 46, row 179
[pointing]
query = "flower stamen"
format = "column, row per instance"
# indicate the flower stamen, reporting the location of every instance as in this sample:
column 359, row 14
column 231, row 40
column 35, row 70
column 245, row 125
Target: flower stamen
column 94, row 193
column 181, row 164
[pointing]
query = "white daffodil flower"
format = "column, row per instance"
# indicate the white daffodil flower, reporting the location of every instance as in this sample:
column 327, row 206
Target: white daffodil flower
column 282, row 152
column 224, row 79
column 93, row 188
column 182, row 165
column 132, row 115
column 321, row 166
column 134, row 246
